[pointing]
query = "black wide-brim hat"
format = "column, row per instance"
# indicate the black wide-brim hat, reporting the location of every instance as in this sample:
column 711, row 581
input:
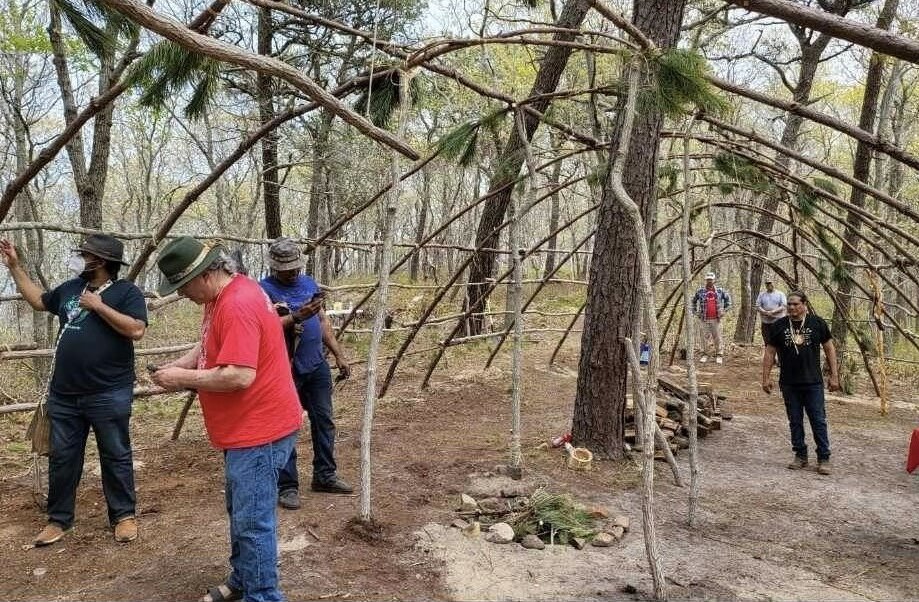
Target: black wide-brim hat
column 103, row 246
column 183, row 259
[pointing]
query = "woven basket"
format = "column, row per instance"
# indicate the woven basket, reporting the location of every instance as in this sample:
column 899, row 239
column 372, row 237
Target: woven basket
column 580, row 458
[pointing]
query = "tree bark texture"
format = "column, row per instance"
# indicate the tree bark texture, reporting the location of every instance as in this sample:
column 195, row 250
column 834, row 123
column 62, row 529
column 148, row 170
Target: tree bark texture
column 550, row 71
column 861, row 170
column 612, row 305
column 271, row 191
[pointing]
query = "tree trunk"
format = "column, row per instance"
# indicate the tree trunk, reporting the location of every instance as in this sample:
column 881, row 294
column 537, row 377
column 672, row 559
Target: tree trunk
column 271, row 191
column 508, row 164
column 861, row 170
column 612, row 307
column 423, row 208
column 318, row 183
column 553, row 214
column 811, row 51
column 88, row 181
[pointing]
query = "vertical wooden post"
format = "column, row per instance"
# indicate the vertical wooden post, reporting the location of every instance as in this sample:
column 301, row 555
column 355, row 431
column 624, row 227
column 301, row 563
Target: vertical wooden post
column 388, row 217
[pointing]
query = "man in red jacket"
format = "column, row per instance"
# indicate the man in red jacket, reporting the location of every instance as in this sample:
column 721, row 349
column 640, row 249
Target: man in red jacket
column 248, row 399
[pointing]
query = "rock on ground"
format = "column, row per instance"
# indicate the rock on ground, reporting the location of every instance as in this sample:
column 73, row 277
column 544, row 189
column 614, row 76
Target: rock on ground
column 500, row 533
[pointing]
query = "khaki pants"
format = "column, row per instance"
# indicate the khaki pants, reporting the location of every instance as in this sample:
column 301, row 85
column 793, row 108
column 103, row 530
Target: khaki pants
column 711, row 333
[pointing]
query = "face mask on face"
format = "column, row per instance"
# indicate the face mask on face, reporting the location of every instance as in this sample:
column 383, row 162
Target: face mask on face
column 78, row 265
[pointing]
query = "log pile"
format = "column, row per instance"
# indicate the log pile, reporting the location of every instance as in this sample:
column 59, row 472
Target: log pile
column 670, row 414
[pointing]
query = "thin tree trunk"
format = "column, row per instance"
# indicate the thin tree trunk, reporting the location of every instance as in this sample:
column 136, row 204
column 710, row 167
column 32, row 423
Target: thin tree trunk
column 861, row 170
column 423, row 208
column 554, row 176
column 550, row 71
column 811, row 51
column 691, row 408
column 271, row 191
column 388, row 219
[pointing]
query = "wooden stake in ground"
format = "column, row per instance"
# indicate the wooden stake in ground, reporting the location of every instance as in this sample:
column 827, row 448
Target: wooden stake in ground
column 388, row 217
column 517, row 255
column 691, row 407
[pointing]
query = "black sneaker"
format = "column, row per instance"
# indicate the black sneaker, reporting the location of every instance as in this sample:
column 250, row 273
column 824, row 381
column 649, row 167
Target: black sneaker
column 333, row 485
column 289, row 499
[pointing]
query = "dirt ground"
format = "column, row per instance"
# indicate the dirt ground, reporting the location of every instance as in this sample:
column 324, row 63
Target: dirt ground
column 764, row 532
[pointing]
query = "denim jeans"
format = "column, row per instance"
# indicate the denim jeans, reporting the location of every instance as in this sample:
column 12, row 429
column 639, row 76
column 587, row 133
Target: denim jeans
column 807, row 398
column 252, row 496
column 315, row 391
column 71, row 416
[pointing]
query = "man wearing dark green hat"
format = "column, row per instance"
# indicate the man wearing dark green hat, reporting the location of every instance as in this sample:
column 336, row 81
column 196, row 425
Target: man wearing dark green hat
column 92, row 379
column 248, row 399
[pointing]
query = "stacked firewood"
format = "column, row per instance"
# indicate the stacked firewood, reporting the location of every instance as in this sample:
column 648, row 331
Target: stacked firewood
column 671, row 416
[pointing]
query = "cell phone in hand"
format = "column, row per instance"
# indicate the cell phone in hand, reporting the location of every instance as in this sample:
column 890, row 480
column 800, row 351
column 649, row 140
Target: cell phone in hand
column 319, row 296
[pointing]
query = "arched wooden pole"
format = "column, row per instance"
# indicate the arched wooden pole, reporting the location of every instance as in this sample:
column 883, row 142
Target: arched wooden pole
column 166, row 224
column 805, row 111
column 561, row 340
column 408, row 254
column 469, row 310
column 201, row 24
column 768, row 164
column 798, row 228
column 838, row 174
column 545, row 279
column 468, row 208
column 753, row 233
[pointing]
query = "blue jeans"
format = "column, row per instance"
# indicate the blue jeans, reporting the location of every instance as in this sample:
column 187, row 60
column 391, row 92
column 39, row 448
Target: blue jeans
column 252, row 496
column 315, row 391
column 807, row 398
column 71, row 416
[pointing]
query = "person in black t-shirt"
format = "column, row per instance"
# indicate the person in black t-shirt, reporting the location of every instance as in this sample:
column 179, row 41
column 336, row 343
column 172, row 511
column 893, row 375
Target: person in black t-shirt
column 92, row 379
column 797, row 340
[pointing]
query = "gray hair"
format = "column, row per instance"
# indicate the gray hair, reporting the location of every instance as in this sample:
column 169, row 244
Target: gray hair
column 225, row 262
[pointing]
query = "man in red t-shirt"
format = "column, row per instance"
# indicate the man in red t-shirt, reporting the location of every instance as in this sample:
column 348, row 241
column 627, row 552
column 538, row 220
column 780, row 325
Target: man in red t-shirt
column 250, row 406
column 709, row 305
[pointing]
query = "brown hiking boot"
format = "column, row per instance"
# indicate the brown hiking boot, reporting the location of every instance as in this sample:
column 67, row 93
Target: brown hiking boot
column 52, row 533
column 798, row 463
column 823, row 467
column 126, row 530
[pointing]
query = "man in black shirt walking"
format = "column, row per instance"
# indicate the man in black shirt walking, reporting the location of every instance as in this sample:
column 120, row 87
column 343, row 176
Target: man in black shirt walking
column 92, row 379
column 797, row 340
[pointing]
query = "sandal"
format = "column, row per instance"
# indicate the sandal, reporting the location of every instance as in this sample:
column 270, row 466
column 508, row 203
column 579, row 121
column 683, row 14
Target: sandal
column 222, row 593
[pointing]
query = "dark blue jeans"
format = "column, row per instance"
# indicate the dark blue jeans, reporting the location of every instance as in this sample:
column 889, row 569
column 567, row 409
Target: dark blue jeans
column 109, row 414
column 252, row 496
column 315, row 391
column 807, row 398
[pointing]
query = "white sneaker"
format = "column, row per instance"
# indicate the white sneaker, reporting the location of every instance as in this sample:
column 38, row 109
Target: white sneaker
column 719, row 360
column 703, row 359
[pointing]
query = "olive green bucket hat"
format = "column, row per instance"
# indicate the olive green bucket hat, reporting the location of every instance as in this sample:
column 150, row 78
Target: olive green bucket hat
column 183, row 259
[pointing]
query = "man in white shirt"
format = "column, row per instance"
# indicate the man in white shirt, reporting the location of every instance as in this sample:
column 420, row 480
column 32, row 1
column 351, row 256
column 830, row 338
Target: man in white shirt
column 771, row 305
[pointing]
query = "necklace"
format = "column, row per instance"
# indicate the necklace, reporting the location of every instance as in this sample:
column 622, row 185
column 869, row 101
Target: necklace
column 797, row 337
